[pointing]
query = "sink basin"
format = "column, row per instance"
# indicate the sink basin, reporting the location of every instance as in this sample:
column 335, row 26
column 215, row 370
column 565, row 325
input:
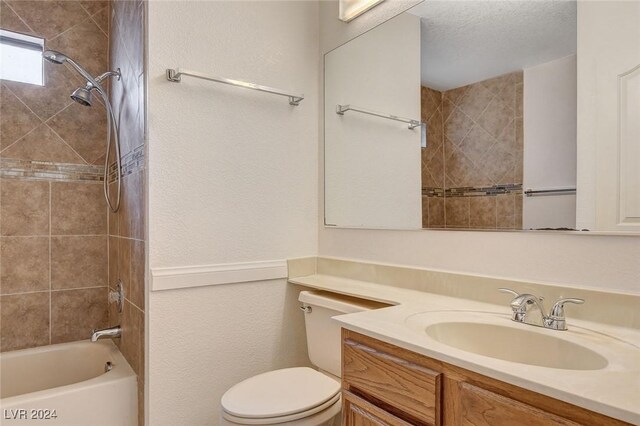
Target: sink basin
column 516, row 344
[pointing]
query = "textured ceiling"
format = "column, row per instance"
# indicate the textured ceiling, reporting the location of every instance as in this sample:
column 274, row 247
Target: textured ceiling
column 468, row 41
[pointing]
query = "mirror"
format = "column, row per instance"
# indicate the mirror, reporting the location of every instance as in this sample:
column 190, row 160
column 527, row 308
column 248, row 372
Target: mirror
column 464, row 115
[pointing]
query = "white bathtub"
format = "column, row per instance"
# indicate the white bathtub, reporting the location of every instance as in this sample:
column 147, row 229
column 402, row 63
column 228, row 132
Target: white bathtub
column 67, row 381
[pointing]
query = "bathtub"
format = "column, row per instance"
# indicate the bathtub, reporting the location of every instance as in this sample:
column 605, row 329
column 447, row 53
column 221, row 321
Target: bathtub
column 66, row 384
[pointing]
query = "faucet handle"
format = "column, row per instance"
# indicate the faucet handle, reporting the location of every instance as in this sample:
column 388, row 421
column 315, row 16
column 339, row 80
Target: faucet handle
column 508, row 290
column 558, row 309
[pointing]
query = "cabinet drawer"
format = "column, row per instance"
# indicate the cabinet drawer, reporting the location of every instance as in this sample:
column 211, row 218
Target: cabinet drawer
column 358, row 412
column 481, row 407
column 409, row 390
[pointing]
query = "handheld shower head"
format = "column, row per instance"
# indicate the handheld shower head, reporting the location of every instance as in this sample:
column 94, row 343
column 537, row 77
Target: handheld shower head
column 54, row 57
column 82, row 95
column 60, row 58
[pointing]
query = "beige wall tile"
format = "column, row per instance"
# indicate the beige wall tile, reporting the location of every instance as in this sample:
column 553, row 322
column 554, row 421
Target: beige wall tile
column 10, row 21
column 124, row 264
column 85, row 43
column 436, row 212
column 24, row 321
column 113, row 260
column 482, row 212
column 518, row 211
column 456, row 212
column 141, row 400
column 78, row 208
column 16, row 120
column 457, row 126
column 132, row 341
column 42, row 144
column 83, row 128
column 49, row 18
column 475, row 101
column 495, row 117
column 24, row 207
column 74, row 313
column 505, row 207
column 425, row 211
column 53, row 97
column 136, row 291
column 78, row 262
column 25, row 264
column 102, row 18
column 94, row 6
column 135, row 204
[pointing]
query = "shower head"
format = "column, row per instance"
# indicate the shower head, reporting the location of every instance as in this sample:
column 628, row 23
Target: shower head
column 54, row 57
column 82, row 95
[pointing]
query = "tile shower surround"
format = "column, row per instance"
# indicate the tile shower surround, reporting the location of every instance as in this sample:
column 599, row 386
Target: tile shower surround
column 53, row 219
column 474, row 136
column 126, row 228
column 60, row 247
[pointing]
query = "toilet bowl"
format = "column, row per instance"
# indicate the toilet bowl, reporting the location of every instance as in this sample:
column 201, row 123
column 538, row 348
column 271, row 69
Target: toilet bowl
column 291, row 396
column 299, row 396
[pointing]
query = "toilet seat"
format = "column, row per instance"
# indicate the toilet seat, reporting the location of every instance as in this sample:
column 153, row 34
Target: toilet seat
column 280, row 396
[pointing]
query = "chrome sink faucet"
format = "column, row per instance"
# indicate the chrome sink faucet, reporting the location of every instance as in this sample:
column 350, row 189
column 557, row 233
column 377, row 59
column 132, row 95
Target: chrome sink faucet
column 522, row 304
column 106, row 332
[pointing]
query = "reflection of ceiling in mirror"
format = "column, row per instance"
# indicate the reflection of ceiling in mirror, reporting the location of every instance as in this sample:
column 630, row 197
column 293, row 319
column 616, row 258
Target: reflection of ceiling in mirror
column 465, row 42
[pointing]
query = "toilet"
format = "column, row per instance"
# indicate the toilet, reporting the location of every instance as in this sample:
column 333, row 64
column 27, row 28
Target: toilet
column 300, row 396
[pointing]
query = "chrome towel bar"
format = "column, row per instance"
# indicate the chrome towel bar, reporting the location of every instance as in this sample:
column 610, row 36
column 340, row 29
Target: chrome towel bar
column 175, row 75
column 557, row 191
column 341, row 109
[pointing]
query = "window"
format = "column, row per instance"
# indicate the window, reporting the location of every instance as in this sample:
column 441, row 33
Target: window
column 21, row 58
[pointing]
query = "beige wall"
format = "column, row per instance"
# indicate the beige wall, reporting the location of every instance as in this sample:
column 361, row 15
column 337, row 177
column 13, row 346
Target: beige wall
column 127, row 234
column 53, row 219
column 605, row 262
column 233, row 178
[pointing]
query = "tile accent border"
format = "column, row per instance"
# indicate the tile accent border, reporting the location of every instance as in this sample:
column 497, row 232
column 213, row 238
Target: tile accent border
column 207, row 275
column 131, row 163
column 470, row 191
column 42, row 170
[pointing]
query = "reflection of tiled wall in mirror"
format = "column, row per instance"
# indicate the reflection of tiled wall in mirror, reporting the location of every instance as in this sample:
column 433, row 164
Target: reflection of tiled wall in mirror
column 472, row 166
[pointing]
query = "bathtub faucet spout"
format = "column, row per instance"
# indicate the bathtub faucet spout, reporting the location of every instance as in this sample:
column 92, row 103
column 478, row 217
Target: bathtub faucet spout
column 106, row 332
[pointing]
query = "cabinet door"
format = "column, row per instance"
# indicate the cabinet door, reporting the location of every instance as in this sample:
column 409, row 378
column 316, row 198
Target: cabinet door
column 608, row 197
column 358, row 412
column 480, row 407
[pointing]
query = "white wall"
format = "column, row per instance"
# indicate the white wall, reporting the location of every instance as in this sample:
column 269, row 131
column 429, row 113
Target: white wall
column 550, row 143
column 232, row 169
column 372, row 176
column 233, row 178
column 608, row 262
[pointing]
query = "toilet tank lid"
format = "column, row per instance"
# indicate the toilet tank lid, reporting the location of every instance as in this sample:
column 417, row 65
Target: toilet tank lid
column 339, row 302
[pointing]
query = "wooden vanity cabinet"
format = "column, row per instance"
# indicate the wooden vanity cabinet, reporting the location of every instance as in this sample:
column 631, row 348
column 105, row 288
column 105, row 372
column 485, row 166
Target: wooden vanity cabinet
column 386, row 385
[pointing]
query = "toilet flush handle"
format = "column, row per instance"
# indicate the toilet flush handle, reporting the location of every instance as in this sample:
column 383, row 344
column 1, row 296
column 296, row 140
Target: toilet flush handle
column 306, row 309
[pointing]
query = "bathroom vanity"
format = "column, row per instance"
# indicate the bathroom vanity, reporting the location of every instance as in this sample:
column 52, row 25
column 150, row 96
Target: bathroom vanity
column 385, row 384
column 446, row 350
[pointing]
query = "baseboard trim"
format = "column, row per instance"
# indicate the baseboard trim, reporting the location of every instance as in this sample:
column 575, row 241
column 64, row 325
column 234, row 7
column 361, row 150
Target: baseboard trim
column 208, row 275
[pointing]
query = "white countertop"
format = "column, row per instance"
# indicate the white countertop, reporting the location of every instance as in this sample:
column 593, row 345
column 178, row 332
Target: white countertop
column 613, row 391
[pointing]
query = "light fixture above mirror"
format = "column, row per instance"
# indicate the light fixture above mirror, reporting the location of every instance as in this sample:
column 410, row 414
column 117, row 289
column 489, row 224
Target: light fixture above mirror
column 351, row 9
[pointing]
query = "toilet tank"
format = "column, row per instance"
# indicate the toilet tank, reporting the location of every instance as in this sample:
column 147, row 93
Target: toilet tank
column 323, row 334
